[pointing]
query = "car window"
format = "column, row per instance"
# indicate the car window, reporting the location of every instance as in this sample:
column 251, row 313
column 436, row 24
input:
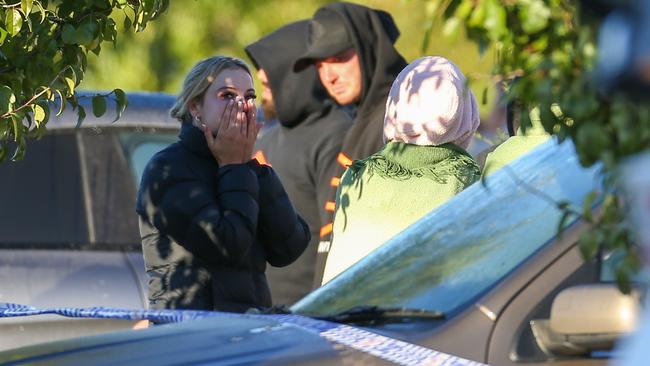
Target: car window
column 40, row 200
column 463, row 248
column 140, row 146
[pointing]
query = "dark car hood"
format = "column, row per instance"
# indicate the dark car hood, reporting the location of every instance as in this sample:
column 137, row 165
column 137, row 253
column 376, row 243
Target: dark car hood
column 223, row 341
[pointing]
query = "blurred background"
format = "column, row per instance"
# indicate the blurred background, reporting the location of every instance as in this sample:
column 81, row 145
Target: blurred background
column 158, row 58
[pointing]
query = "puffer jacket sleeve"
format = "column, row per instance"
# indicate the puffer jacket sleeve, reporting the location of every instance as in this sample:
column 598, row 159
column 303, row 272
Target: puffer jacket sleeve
column 216, row 226
column 282, row 231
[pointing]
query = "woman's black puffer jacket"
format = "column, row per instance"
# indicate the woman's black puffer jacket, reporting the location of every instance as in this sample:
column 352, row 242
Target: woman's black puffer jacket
column 208, row 231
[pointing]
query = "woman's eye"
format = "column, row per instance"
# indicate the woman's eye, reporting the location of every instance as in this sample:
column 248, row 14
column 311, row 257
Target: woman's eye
column 228, row 95
column 251, row 97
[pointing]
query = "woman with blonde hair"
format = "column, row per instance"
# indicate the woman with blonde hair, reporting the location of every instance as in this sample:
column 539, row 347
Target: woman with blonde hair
column 431, row 116
column 210, row 216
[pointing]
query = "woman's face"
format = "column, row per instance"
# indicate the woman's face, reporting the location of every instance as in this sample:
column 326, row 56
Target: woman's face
column 232, row 84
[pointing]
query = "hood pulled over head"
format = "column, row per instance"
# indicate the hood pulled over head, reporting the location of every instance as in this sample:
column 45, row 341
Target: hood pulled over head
column 430, row 103
column 296, row 95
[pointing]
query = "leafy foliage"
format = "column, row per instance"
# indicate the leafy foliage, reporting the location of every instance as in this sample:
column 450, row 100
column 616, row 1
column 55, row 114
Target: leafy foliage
column 550, row 47
column 43, row 58
column 159, row 59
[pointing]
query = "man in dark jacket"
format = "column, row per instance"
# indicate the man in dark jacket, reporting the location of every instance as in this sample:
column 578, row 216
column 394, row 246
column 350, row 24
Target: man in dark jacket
column 352, row 47
column 208, row 230
column 302, row 149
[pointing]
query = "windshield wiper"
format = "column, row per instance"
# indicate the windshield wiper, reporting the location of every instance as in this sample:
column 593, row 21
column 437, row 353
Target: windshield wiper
column 372, row 313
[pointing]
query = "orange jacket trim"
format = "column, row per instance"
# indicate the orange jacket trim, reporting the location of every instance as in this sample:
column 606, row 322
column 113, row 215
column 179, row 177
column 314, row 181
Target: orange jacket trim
column 344, row 160
column 326, row 229
column 259, row 156
column 330, row 206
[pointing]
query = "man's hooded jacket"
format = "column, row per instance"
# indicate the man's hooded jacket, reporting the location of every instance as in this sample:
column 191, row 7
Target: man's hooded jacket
column 373, row 34
column 302, row 149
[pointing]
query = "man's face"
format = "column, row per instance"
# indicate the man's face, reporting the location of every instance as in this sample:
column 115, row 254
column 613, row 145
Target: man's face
column 268, row 105
column 341, row 76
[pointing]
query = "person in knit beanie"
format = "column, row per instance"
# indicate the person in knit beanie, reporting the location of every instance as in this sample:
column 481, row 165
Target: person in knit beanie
column 431, row 116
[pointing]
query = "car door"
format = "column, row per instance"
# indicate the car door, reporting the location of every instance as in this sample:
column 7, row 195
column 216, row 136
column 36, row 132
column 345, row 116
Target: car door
column 513, row 340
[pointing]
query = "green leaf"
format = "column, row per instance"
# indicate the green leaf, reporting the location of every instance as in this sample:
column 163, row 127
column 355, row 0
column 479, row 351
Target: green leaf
column 591, row 140
column 29, row 23
column 99, row 105
column 586, row 205
column 140, row 22
column 534, row 15
column 13, row 21
column 495, row 20
column 463, row 10
column 19, row 154
column 39, row 114
column 81, row 113
column 49, row 95
column 588, row 245
column 148, row 5
column 563, row 205
column 29, row 123
column 451, row 28
column 70, row 84
column 26, row 6
column 45, row 107
column 61, row 100
column 4, row 130
column 623, row 280
column 69, row 34
column 477, row 16
column 427, row 37
column 3, row 152
column 120, row 103
column 127, row 23
column 3, row 35
column 86, row 33
column 110, row 31
column 73, row 74
column 7, row 99
column 566, row 215
column 17, row 127
column 42, row 10
column 164, row 5
column 96, row 50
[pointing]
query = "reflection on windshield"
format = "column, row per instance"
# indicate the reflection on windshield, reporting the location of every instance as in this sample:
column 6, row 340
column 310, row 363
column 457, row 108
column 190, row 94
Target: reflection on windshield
column 464, row 247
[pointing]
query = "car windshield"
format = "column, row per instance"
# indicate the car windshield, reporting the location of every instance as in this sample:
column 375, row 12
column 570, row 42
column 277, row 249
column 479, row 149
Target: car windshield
column 463, row 248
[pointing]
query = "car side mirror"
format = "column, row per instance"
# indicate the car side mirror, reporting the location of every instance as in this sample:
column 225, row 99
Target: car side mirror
column 587, row 318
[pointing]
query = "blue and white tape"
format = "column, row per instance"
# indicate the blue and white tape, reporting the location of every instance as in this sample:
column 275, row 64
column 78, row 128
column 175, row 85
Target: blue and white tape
column 386, row 348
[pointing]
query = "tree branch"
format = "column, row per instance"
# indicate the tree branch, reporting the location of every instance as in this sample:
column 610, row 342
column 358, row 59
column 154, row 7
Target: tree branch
column 11, row 5
column 36, row 96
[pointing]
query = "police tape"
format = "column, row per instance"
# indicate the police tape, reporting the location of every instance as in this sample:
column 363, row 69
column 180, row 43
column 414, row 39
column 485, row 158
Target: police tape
column 386, row 348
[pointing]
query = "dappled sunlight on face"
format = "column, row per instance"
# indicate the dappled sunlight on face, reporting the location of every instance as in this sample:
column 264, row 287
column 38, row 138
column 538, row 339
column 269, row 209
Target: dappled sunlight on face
column 230, row 84
column 341, row 76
